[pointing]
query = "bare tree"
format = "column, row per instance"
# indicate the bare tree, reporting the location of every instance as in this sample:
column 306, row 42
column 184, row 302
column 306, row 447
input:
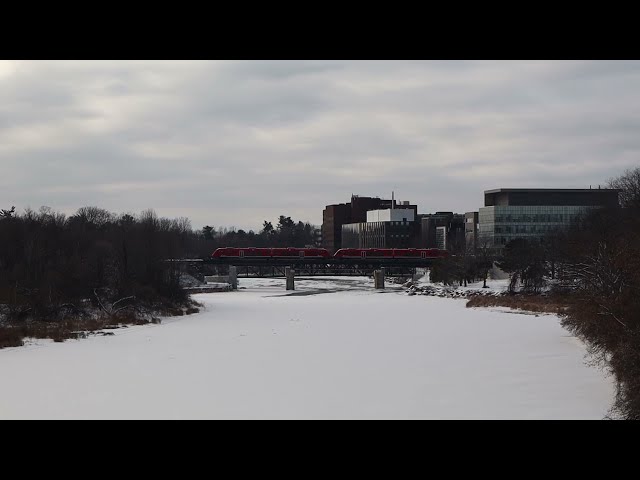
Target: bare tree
column 485, row 256
column 629, row 185
column 7, row 213
column 94, row 216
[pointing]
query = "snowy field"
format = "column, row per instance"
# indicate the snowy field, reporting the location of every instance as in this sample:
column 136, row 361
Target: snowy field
column 333, row 349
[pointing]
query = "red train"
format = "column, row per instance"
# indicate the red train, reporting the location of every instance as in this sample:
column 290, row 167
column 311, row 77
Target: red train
column 323, row 253
column 391, row 253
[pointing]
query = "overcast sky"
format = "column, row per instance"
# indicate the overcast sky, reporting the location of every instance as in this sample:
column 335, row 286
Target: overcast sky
column 232, row 143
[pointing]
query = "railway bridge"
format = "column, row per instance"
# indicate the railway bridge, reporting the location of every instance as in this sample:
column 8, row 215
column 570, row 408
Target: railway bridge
column 303, row 266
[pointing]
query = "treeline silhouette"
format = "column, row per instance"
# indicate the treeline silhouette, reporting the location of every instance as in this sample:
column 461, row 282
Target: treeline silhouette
column 54, row 266
column 600, row 266
column 591, row 271
column 286, row 233
column 595, row 267
column 50, row 263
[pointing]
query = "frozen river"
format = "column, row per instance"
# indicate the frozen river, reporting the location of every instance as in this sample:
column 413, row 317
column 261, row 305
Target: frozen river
column 334, row 349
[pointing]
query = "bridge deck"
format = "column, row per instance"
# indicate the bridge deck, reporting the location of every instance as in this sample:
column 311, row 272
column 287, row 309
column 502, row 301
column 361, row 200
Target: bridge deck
column 326, row 262
column 303, row 266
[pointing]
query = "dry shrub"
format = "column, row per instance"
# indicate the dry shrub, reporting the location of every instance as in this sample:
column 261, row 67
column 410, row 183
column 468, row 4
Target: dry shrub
column 530, row 303
column 59, row 331
column 127, row 317
column 11, row 337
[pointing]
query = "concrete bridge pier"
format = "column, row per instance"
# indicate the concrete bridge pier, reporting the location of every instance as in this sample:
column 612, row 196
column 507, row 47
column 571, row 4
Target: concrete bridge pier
column 378, row 279
column 289, row 275
column 233, row 277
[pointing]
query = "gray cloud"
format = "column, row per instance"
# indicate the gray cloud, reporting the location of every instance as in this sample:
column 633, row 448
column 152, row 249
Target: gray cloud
column 233, row 142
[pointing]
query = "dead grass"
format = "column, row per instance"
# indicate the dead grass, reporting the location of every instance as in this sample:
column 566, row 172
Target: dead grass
column 10, row 337
column 13, row 333
column 529, row 303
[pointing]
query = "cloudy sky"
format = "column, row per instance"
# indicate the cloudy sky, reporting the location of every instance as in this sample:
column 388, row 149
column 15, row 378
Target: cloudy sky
column 232, row 143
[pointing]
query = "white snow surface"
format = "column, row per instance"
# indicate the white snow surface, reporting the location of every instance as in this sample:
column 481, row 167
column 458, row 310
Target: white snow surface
column 333, row 349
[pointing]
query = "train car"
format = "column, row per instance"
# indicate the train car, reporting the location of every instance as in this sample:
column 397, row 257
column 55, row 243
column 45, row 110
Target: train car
column 390, row 253
column 291, row 252
column 364, row 253
column 226, row 252
column 405, row 253
column 316, row 252
column 350, row 253
column 300, row 252
column 287, row 252
column 435, row 253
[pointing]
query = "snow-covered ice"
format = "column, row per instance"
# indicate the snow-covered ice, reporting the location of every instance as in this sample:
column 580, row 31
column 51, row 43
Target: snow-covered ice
column 334, row 348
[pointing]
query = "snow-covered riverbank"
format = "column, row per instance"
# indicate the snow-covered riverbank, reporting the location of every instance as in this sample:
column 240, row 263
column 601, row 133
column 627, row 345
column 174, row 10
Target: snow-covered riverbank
column 334, row 348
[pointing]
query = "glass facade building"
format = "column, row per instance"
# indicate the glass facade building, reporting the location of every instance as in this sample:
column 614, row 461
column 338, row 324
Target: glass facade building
column 531, row 214
column 497, row 226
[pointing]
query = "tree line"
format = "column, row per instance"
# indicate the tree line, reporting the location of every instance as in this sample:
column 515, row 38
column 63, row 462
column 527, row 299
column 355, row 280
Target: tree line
column 595, row 267
column 52, row 265
column 286, row 233
column 600, row 267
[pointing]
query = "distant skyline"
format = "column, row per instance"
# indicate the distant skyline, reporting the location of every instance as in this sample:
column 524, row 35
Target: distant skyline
column 234, row 143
